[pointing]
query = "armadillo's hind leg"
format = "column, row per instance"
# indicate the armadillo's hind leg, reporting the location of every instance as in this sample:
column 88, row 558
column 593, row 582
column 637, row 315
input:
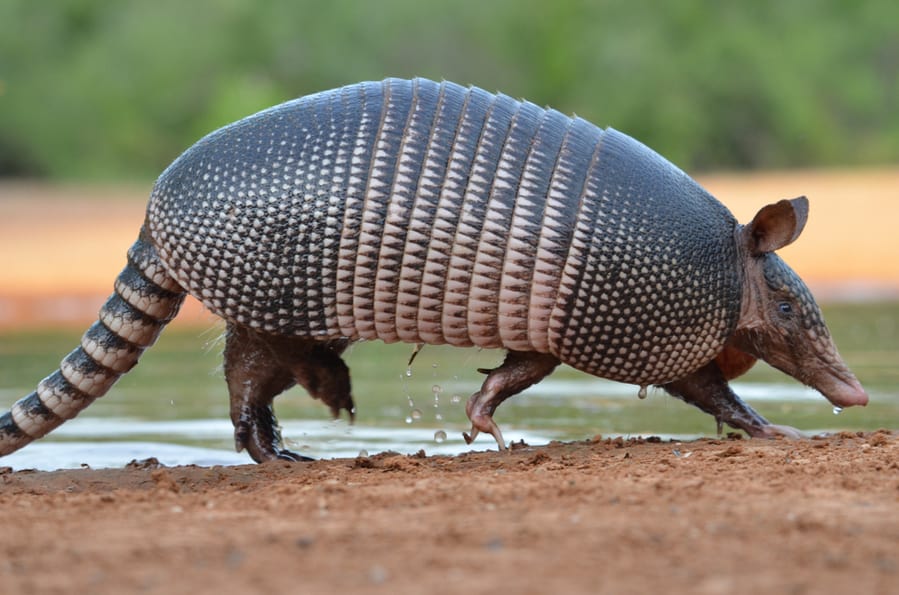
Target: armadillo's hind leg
column 259, row 367
column 317, row 367
column 519, row 370
column 255, row 377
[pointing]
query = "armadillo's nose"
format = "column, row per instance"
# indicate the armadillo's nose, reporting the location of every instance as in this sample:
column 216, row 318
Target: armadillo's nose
column 846, row 393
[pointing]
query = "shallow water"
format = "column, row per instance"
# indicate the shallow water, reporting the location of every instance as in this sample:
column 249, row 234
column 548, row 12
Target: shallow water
column 174, row 406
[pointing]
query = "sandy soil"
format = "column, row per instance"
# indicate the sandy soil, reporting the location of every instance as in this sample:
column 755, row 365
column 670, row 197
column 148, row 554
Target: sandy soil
column 601, row 516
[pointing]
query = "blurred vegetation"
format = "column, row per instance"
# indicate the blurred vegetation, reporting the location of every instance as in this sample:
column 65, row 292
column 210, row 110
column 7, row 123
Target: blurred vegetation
column 93, row 89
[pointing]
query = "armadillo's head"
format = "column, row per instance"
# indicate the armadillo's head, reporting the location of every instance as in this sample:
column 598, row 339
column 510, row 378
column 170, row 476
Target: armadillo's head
column 779, row 319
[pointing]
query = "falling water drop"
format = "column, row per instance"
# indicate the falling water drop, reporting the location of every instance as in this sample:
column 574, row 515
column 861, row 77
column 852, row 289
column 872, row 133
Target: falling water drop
column 641, row 394
column 409, row 371
column 436, row 389
column 837, row 410
column 439, row 436
column 363, row 453
column 408, row 419
column 456, row 399
column 416, row 414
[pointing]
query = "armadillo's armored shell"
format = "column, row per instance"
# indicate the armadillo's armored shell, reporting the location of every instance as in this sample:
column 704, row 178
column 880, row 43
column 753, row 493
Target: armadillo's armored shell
column 433, row 213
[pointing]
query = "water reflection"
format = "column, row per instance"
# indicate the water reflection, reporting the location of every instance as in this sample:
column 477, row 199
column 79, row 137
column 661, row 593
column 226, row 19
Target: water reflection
column 105, row 442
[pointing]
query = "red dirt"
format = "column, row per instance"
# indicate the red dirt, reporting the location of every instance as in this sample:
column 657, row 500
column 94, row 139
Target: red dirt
column 602, row 516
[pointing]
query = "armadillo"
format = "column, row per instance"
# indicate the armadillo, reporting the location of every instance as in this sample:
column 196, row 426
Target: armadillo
column 432, row 213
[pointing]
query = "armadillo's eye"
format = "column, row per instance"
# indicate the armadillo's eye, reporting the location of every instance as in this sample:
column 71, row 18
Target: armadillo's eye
column 785, row 307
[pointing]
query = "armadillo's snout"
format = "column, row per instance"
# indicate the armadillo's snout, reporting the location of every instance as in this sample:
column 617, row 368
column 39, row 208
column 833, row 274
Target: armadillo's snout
column 845, row 392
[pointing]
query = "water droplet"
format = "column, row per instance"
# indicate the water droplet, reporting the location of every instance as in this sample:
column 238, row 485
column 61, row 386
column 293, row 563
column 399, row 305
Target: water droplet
column 439, row 436
column 416, row 414
column 456, row 398
column 363, row 453
column 641, row 394
column 837, row 410
column 438, row 417
column 408, row 420
column 436, row 389
column 409, row 371
column 434, row 365
column 411, row 402
column 378, row 575
column 172, row 402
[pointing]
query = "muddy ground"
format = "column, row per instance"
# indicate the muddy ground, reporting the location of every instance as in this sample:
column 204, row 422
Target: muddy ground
column 600, row 516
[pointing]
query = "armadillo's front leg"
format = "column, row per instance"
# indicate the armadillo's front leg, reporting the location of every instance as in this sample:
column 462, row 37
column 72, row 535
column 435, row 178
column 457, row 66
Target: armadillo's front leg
column 519, row 370
column 707, row 389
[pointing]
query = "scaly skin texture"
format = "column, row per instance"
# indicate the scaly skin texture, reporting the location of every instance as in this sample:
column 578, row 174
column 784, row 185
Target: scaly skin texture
column 432, row 213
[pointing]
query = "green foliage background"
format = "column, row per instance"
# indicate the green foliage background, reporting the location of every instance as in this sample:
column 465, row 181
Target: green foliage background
column 95, row 89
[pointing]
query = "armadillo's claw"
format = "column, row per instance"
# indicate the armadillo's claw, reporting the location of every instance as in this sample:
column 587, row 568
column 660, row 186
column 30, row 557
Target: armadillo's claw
column 416, row 351
column 257, row 431
column 288, row 455
column 483, row 422
column 777, row 431
column 337, row 409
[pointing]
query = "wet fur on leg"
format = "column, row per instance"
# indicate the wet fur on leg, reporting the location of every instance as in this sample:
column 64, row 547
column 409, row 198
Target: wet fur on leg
column 258, row 367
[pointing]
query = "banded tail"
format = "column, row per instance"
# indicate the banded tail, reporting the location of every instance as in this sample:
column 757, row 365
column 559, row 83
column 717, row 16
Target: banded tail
column 146, row 298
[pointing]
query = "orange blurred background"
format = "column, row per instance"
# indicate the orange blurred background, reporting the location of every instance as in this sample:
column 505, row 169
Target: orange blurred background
column 62, row 246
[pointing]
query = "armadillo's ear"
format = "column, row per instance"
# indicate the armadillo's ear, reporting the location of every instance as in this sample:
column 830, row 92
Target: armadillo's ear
column 776, row 226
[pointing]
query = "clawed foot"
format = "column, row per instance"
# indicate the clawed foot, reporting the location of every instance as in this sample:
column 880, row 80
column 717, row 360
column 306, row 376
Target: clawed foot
column 282, row 454
column 779, row 431
column 518, row 371
column 481, row 416
column 257, row 431
column 757, row 427
column 345, row 404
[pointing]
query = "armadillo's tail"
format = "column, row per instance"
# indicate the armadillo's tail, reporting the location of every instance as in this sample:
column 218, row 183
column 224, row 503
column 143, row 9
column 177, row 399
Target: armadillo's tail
column 146, row 298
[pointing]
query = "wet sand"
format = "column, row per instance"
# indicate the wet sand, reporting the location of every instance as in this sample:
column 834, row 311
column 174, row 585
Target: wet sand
column 600, row 516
